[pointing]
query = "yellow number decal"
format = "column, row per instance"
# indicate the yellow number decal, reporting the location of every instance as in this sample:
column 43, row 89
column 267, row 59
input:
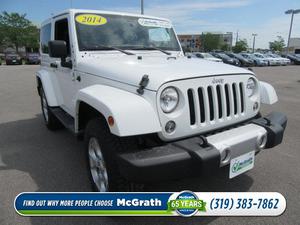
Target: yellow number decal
column 91, row 19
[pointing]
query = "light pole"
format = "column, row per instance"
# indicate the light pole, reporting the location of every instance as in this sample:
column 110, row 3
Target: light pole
column 293, row 12
column 142, row 7
column 254, row 35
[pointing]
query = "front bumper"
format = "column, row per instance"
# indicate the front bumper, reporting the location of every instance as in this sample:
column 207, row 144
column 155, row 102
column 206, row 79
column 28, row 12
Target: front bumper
column 199, row 155
column 13, row 61
column 33, row 61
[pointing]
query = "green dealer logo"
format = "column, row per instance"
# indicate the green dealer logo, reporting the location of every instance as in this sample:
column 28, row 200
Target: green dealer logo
column 187, row 204
column 237, row 166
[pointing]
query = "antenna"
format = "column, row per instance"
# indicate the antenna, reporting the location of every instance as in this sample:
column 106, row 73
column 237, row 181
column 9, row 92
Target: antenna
column 142, row 7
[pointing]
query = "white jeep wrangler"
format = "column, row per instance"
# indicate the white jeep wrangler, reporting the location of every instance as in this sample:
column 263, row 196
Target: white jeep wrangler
column 147, row 112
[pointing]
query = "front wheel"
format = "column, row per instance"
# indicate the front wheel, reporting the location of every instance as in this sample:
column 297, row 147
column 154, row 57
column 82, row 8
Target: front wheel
column 51, row 121
column 101, row 148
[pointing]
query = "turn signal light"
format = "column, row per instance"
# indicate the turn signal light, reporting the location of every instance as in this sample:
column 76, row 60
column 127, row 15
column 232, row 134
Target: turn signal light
column 110, row 121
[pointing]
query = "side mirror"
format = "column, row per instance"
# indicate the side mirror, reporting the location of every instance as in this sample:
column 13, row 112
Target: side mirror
column 58, row 49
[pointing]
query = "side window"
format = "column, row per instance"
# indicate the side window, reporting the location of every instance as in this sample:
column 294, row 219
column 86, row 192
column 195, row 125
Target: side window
column 62, row 32
column 45, row 37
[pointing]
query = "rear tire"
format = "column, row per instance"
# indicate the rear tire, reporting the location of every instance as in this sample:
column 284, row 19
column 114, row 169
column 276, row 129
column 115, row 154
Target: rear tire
column 101, row 147
column 51, row 121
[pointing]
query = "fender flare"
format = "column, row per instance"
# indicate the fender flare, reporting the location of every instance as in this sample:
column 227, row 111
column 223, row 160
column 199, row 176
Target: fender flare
column 133, row 115
column 268, row 94
column 46, row 82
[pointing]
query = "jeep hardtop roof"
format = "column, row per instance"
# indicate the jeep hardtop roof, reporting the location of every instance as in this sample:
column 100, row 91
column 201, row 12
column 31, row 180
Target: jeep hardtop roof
column 74, row 11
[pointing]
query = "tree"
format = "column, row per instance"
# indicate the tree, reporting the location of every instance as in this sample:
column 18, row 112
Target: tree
column 277, row 45
column 17, row 30
column 240, row 46
column 225, row 47
column 210, row 42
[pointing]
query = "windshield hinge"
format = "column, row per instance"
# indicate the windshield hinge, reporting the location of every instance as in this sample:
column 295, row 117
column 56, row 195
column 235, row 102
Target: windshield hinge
column 143, row 83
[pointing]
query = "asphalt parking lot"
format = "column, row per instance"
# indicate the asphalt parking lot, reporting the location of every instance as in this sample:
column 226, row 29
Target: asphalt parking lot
column 35, row 159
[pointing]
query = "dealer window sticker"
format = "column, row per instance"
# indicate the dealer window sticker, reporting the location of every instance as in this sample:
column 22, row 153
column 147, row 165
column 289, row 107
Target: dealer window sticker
column 154, row 23
column 91, row 19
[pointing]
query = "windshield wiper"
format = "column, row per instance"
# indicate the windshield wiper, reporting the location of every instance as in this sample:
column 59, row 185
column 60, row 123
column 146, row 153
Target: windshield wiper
column 103, row 47
column 152, row 48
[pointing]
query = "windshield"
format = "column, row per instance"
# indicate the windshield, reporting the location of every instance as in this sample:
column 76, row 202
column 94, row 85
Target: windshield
column 246, row 56
column 259, row 56
column 224, row 56
column 98, row 32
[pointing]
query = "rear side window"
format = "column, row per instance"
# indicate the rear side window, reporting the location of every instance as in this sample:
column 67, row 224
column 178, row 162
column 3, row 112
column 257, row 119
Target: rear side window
column 45, row 38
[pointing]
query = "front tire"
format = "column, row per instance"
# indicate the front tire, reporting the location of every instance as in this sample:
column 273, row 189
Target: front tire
column 101, row 147
column 51, row 121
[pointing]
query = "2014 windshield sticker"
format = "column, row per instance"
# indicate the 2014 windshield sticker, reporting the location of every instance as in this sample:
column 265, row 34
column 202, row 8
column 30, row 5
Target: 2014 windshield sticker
column 154, row 23
column 91, row 19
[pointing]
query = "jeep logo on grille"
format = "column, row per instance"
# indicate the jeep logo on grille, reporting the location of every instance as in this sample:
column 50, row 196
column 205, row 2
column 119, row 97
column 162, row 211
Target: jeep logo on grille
column 218, row 81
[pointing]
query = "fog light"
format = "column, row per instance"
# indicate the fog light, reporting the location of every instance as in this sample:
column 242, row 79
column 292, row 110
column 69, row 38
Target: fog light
column 170, row 127
column 262, row 141
column 225, row 156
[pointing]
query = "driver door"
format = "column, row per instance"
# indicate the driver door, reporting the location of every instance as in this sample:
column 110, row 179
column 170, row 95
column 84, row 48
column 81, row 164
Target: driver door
column 65, row 75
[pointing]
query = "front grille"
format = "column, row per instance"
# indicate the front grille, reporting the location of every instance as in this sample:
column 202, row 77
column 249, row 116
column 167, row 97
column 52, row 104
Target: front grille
column 216, row 102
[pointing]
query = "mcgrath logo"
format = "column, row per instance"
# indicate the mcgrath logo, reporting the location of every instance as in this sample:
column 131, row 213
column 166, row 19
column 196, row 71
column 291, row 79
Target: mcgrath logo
column 240, row 165
column 187, row 204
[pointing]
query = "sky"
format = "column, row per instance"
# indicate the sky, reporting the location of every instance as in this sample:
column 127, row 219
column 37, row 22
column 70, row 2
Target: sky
column 245, row 17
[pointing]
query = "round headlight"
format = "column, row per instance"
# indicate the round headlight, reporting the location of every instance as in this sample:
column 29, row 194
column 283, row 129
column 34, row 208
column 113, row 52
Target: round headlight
column 251, row 87
column 169, row 99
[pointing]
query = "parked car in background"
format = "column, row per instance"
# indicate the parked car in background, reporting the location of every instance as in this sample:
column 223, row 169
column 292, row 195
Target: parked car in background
column 285, row 60
column 13, row 59
column 295, row 59
column 32, row 58
column 280, row 61
column 271, row 61
column 206, row 56
column 257, row 61
column 243, row 61
column 226, row 59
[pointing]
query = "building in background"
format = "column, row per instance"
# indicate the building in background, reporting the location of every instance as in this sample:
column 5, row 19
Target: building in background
column 294, row 45
column 194, row 42
column 190, row 42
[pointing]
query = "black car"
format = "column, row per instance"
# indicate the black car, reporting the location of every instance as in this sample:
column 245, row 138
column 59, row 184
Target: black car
column 244, row 62
column 226, row 59
column 295, row 58
column 13, row 59
column 32, row 58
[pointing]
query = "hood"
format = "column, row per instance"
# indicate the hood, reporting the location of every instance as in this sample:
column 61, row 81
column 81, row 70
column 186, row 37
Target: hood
column 160, row 69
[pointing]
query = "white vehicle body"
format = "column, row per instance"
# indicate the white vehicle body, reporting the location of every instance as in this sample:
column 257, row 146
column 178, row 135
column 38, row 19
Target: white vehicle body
column 206, row 56
column 127, row 88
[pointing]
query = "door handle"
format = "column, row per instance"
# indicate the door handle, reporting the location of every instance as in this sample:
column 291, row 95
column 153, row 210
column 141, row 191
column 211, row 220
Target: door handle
column 53, row 65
